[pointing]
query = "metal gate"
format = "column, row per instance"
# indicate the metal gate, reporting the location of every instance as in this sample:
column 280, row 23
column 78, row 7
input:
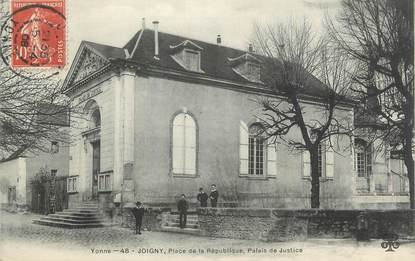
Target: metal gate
column 49, row 195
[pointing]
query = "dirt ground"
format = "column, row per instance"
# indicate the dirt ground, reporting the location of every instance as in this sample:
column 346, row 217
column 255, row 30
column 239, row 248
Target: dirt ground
column 21, row 240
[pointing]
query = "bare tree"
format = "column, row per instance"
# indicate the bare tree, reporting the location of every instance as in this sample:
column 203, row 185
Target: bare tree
column 378, row 34
column 295, row 58
column 32, row 113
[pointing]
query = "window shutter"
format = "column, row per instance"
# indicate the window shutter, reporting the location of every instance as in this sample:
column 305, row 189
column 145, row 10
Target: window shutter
column 243, row 148
column 329, row 161
column 306, row 164
column 272, row 160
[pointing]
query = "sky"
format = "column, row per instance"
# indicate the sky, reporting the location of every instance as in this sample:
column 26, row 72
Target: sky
column 114, row 22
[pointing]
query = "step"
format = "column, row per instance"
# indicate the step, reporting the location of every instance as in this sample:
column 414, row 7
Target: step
column 86, row 210
column 189, row 218
column 189, row 212
column 80, row 213
column 69, row 216
column 192, row 222
column 72, row 221
column 191, row 231
column 178, row 225
column 89, row 204
column 66, row 224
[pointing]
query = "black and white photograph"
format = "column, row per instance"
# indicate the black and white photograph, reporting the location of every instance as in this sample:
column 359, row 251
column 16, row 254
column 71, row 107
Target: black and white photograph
column 207, row 130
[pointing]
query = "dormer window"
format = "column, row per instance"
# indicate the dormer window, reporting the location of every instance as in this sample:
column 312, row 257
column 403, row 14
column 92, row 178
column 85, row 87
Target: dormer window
column 187, row 54
column 247, row 66
column 192, row 60
column 253, row 69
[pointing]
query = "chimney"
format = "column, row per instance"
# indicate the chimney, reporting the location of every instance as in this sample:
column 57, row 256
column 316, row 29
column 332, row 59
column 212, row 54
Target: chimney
column 143, row 24
column 156, row 40
column 250, row 48
column 218, row 39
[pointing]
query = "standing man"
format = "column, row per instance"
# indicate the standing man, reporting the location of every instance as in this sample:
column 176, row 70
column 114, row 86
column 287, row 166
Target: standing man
column 202, row 197
column 214, row 195
column 138, row 213
column 182, row 206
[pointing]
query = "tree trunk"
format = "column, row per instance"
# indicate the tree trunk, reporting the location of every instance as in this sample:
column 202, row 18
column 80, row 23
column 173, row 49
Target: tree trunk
column 408, row 133
column 315, row 179
column 409, row 163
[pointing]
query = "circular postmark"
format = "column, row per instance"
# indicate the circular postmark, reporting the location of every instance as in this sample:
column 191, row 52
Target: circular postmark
column 32, row 37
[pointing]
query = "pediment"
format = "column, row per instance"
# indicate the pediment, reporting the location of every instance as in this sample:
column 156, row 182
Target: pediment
column 186, row 44
column 88, row 62
column 243, row 58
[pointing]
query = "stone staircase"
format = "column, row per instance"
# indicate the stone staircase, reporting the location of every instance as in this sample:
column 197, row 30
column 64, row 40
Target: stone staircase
column 86, row 215
column 172, row 223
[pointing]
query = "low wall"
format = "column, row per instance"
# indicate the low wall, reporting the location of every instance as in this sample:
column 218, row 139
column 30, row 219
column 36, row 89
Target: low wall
column 300, row 224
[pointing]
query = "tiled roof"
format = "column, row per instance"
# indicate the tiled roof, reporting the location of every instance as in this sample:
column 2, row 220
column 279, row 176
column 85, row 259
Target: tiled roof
column 214, row 58
column 107, row 50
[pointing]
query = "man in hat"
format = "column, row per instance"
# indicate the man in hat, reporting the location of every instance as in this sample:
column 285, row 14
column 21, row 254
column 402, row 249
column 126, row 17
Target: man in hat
column 182, row 206
column 202, row 197
column 214, row 195
column 138, row 213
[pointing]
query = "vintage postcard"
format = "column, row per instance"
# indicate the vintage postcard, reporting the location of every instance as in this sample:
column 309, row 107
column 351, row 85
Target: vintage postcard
column 246, row 130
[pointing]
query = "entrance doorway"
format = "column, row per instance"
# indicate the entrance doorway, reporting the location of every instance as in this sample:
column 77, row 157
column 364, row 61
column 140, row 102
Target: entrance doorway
column 11, row 195
column 96, row 161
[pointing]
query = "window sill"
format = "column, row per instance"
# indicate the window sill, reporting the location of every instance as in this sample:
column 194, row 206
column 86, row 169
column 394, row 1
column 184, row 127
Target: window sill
column 320, row 178
column 178, row 175
column 104, row 191
column 251, row 177
column 72, row 192
column 381, row 194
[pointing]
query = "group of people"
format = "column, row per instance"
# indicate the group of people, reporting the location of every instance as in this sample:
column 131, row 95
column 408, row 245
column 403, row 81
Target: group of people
column 202, row 197
column 182, row 207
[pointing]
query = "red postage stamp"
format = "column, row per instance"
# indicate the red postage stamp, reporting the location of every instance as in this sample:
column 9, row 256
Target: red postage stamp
column 38, row 35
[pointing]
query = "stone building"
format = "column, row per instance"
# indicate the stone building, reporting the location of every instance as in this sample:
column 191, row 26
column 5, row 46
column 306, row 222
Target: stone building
column 166, row 115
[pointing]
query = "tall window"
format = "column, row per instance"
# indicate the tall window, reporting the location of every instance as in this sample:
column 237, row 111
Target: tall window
column 363, row 158
column 256, row 150
column 325, row 161
column 184, row 145
column 71, row 184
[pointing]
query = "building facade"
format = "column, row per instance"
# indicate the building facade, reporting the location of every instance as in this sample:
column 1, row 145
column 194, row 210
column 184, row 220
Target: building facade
column 165, row 115
column 17, row 176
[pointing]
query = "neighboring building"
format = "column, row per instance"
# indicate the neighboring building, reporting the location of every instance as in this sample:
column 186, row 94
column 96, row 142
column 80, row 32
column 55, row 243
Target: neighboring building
column 167, row 115
column 22, row 173
column 17, row 175
column 381, row 177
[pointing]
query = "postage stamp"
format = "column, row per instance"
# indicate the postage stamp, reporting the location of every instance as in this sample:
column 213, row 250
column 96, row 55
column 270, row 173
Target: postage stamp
column 38, row 33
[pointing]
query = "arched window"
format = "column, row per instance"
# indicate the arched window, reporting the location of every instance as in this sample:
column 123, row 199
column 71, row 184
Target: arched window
column 92, row 114
column 363, row 158
column 184, row 133
column 256, row 150
column 96, row 118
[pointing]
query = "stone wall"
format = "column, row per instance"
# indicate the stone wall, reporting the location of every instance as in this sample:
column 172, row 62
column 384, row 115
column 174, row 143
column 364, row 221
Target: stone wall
column 152, row 219
column 300, row 224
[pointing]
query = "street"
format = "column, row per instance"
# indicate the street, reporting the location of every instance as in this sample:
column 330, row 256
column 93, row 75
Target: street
column 22, row 240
